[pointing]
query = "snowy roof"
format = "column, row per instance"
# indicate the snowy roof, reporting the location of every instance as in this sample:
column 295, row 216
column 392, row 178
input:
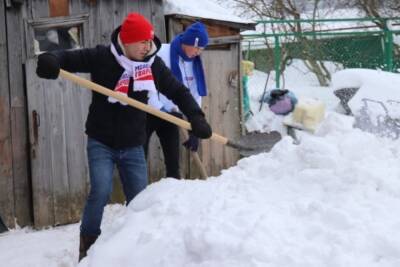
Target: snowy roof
column 206, row 9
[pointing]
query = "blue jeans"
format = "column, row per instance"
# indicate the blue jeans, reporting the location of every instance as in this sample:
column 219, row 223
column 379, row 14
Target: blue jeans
column 132, row 170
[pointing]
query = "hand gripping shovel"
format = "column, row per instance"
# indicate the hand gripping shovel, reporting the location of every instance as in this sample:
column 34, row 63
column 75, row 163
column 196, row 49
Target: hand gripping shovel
column 196, row 158
column 247, row 145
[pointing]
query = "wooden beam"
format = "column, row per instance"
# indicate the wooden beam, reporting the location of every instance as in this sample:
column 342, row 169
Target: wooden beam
column 6, row 171
column 19, row 120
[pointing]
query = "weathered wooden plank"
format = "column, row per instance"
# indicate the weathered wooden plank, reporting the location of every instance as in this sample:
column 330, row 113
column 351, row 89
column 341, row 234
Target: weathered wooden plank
column 39, row 9
column 94, row 27
column 53, row 99
column 184, row 162
column 232, row 113
column 76, row 108
column 132, row 6
column 221, row 107
column 6, row 183
column 225, row 28
column 211, row 60
column 19, row 130
column 120, row 11
column 22, row 183
column 106, row 21
column 155, row 160
column 157, row 18
column 77, row 7
column 86, row 98
column 217, row 30
column 58, row 8
column 41, row 163
column 230, row 109
column 117, row 195
column 6, row 175
column 145, row 9
column 174, row 28
column 6, row 171
column 206, row 146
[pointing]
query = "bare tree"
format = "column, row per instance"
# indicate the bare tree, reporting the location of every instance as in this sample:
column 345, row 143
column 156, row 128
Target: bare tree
column 375, row 8
column 287, row 10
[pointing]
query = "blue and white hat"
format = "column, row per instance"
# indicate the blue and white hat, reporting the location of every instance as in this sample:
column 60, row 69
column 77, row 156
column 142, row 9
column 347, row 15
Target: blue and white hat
column 195, row 35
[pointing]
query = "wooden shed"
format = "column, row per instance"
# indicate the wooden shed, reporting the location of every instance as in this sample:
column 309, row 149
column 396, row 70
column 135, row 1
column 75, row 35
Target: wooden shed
column 222, row 106
column 43, row 171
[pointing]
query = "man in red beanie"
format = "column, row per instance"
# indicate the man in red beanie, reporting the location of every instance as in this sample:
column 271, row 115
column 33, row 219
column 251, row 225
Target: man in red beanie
column 116, row 132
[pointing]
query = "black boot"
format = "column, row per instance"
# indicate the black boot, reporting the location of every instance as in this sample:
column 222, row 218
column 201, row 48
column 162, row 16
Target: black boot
column 84, row 244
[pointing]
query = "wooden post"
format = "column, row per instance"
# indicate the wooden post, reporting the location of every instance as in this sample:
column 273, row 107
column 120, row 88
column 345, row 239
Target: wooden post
column 6, row 175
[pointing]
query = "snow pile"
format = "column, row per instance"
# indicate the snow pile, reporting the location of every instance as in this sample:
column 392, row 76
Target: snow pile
column 330, row 201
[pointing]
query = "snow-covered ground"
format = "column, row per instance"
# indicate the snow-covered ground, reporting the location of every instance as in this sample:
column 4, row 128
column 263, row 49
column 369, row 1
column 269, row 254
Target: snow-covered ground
column 333, row 200
column 53, row 247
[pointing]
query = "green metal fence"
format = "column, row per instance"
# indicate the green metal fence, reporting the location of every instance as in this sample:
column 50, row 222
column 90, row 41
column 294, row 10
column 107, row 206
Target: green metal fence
column 369, row 44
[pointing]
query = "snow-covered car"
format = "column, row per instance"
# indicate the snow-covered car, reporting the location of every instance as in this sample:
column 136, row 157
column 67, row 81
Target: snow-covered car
column 372, row 97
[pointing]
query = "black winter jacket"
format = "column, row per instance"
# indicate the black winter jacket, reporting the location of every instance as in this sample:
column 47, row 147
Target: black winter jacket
column 116, row 125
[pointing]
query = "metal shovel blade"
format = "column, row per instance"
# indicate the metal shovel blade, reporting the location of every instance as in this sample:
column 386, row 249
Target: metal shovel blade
column 255, row 143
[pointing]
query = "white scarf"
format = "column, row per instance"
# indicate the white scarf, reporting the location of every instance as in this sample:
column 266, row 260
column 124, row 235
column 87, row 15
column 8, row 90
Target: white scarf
column 140, row 72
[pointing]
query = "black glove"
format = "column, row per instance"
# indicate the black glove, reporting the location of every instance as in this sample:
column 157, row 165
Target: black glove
column 48, row 66
column 200, row 127
column 192, row 143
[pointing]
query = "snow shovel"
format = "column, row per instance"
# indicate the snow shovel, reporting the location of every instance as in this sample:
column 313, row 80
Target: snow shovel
column 248, row 145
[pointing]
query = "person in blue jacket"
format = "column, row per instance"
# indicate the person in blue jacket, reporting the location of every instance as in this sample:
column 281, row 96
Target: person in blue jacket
column 182, row 56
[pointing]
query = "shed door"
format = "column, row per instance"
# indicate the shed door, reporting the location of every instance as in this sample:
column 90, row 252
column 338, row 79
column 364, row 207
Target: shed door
column 57, row 112
column 222, row 106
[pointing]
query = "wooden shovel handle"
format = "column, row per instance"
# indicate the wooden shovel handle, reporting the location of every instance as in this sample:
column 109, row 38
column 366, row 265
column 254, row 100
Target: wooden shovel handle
column 134, row 103
column 196, row 158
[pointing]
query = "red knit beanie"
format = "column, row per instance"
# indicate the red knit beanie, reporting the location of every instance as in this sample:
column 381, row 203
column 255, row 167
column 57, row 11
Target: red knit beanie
column 136, row 28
